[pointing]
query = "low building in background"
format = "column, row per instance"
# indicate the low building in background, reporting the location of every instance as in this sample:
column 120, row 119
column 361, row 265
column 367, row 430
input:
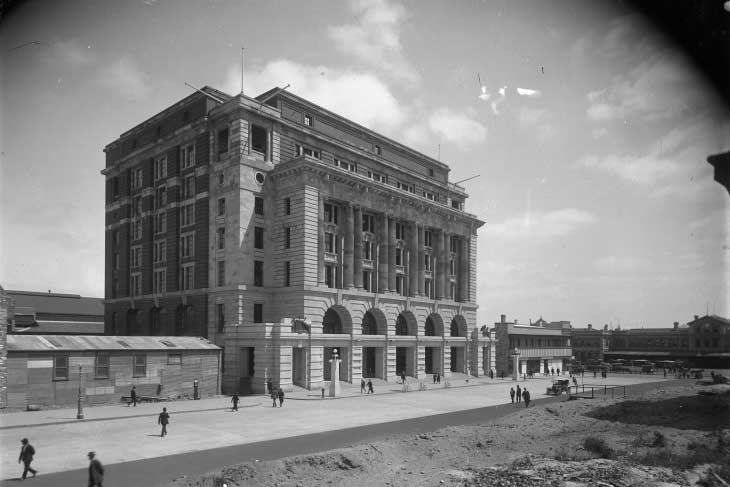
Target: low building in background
column 709, row 339
column 46, row 370
column 590, row 343
column 542, row 346
column 38, row 313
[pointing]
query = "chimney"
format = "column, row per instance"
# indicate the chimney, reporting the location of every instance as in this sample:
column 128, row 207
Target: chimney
column 676, row 325
column 503, row 318
column 697, row 317
column 605, row 327
column 590, row 327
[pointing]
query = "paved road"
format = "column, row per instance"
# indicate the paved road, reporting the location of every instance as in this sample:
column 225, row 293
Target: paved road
column 161, row 469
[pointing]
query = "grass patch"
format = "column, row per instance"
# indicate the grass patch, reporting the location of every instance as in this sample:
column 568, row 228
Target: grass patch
column 713, row 451
column 598, row 446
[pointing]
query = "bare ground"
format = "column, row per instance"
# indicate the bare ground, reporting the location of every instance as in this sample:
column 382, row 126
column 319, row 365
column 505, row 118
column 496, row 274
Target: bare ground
column 667, row 437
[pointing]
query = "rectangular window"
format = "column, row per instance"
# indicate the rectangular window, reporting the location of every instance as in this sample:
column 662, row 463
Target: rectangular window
column 427, row 238
column 427, row 262
column 287, row 273
column 258, row 313
column 258, row 237
column 287, row 238
column 347, row 166
column 136, row 256
column 258, row 273
column 221, row 316
column 187, row 156
column 329, row 242
column 221, row 237
column 159, row 251
column 60, row 367
column 187, row 245
column 189, row 186
column 287, row 206
column 400, row 231
column 308, row 120
column 160, row 168
column 399, row 288
column 398, row 256
column 258, row 205
column 452, row 293
column 160, row 197
column 137, row 206
column 221, row 273
column 187, row 275
column 329, row 276
column 330, row 213
column 115, row 260
column 366, row 284
column 187, row 215
column 161, row 222
column 221, row 206
column 378, row 150
column 311, row 152
column 101, row 366
column 174, row 359
column 159, row 281
column 139, row 366
column 223, row 141
column 427, row 288
column 368, row 223
column 453, row 244
column 367, row 250
column 456, row 204
column 136, row 182
column 135, row 284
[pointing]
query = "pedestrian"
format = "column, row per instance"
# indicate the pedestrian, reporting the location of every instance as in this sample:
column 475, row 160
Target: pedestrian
column 164, row 420
column 558, row 371
column 552, row 371
column 434, row 377
column 269, row 386
column 526, row 397
column 403, row 377
column 438, row 377
column 281, row 397
column 519, row 393
column 512, row 394
column 133, row 394
column 362, row 386
column 96, row 471
column 275, row 396
column 235, row 400
column 575, row 383
column 370, row 387
column 26, row 456
column 491, row 373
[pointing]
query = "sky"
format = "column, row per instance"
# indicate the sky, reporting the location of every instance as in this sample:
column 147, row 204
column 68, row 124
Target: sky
column 599, row 204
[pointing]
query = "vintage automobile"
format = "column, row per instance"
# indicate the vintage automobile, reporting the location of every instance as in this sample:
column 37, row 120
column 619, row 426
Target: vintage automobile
column 560, row 386
column 647, row 369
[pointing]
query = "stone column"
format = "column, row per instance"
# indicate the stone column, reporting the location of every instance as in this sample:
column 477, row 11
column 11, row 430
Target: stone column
column 391, row 254
column 320, row 253
column 463, row 270
column 358, row 248
column 437, row 237
column 413, row 272
column 383, row 255
column 421, row 261
column 348, row 251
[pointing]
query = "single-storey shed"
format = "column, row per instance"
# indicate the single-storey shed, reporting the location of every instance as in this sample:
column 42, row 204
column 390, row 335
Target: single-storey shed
column 49, row 370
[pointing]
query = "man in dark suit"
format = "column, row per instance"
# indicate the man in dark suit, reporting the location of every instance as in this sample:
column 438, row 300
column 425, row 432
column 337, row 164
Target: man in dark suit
column 26, row 456
column 96, row 471
column 163, row 419
column 133, row 395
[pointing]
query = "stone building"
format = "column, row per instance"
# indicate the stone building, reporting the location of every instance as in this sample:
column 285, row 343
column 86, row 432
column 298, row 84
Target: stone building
column 281, row 231
column 590, row 343
column 541, row 346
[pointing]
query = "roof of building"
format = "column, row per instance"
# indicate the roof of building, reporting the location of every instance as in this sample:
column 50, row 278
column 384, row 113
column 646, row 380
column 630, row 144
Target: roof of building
column 52, row 327
column 56, row 303
column 55, row 343
column 714, row 318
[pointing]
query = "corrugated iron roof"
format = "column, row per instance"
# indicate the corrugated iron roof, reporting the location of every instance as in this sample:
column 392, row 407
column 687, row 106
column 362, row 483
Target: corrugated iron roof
column 57, row 303
column 54, row 343
column 48, row 327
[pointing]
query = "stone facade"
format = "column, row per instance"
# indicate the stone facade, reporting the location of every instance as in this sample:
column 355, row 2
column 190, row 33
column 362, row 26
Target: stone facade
column 541, row 346
column 319, row 234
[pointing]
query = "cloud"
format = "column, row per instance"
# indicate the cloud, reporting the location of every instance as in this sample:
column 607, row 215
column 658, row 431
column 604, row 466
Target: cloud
column 72, row 53
column 375, row 39
column 455, row 127
column 541, row 225
column 357, row 95
column 125, row 77
column 644, row 170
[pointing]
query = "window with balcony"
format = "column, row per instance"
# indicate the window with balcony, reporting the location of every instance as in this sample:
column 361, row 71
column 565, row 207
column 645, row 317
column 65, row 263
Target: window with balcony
column 398, row 256
column 329, row 242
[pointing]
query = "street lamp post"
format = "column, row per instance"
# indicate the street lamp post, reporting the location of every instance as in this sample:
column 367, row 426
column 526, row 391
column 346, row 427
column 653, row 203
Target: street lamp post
column 80, row 409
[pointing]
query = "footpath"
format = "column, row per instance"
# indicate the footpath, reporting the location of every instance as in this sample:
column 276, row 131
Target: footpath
column 120, row 433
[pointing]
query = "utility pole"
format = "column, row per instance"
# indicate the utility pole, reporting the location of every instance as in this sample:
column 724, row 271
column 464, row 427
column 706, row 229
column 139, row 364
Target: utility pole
column 80, row 409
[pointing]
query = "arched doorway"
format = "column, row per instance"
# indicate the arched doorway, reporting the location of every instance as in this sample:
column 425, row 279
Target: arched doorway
column 458, row 328
column 336, row 321
column 373, row 357
column 405, row 353
column 434, row 327
column 331, row 323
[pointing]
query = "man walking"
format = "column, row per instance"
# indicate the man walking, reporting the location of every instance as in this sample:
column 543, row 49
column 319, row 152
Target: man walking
column 133, row 395
column 526, row 396
column 163, row 419
column 370, row 387
column 96, row 471
column 512, row 394
column 519, row 394
column 362, row 386
column 235, row 400
column 26, row 456
column 274, row 396
column 281, row 397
